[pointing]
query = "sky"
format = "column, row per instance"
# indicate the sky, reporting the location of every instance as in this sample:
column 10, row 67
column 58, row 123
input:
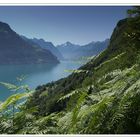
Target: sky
column 59, row 24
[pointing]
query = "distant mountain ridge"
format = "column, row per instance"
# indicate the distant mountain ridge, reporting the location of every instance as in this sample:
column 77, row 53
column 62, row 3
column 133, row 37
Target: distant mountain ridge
column 72, row 51
column 44, row 45
column 93, row 48
column 15, row 50
column 68, row 49
column 48, row 45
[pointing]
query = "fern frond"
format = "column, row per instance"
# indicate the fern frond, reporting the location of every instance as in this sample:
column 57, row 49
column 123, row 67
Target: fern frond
column 9, row 86
column 13, row 99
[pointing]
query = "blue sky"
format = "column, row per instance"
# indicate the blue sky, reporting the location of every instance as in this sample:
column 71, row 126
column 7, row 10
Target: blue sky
column 58, row 24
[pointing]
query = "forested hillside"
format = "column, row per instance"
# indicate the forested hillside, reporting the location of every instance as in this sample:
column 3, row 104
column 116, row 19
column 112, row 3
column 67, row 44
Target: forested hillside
column 102, row 97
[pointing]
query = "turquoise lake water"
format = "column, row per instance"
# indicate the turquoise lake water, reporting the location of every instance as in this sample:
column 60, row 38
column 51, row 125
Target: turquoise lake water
column 35, row 74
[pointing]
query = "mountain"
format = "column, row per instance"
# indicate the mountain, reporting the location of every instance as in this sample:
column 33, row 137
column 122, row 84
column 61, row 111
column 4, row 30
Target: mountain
column 72, row 51
column 49, row 46
column 15, row 50
column 101, row 97
column 92, row 48
column 68, row 49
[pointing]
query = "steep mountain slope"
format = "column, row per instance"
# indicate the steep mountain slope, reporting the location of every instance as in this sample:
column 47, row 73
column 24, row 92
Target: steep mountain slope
column 72, row 51
column 49, row 46
column 118, row 55
column 103, row 97
column 15, row 50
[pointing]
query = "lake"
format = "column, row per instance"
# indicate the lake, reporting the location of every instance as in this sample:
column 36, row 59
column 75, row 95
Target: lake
column 36, row 74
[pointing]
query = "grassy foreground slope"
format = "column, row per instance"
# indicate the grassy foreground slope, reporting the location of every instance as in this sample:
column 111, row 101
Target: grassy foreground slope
column 102, row 97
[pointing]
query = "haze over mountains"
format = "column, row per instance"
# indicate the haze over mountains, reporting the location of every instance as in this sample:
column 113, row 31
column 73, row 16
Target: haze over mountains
column 70, row 51
column 16, row 49
column 73, row 51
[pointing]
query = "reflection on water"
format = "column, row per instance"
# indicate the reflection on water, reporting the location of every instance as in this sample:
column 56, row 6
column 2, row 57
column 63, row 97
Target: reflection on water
column 35, row 74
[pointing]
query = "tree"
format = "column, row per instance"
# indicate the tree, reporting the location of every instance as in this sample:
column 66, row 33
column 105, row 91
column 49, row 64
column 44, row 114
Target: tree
column 132, row 33
column 135, row 11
